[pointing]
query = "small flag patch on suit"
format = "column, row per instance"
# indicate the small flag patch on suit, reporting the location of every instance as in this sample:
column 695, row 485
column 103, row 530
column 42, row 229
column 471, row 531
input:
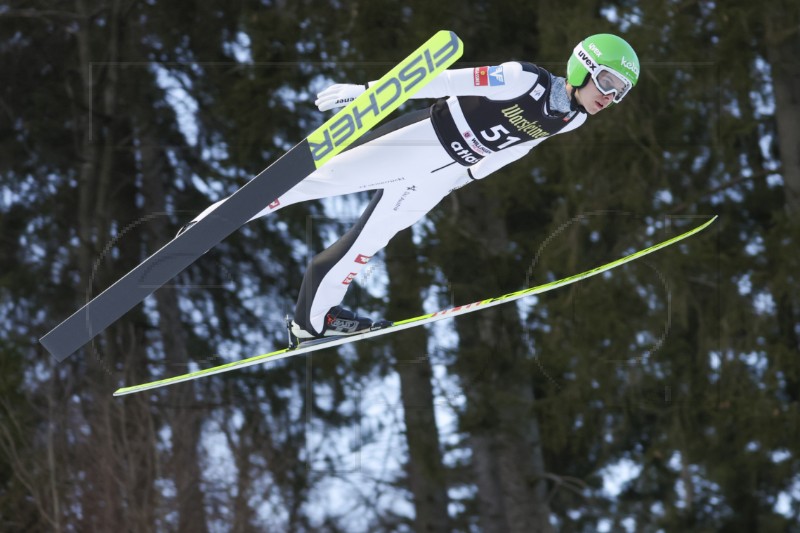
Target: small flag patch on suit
column 537, row 92
column 480, row 76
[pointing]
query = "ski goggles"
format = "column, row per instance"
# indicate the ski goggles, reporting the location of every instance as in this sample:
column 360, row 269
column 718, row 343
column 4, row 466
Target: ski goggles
column 607, row 80
column 610, row 81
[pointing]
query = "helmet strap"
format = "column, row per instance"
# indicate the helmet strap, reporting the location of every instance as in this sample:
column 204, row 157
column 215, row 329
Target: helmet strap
column 574, row 101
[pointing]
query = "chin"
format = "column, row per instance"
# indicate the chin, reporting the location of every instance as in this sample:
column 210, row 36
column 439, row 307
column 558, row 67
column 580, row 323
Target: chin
column 592, row 108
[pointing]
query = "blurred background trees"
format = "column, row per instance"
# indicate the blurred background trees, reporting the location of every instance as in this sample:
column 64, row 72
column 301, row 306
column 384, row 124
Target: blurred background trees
column 662, row 396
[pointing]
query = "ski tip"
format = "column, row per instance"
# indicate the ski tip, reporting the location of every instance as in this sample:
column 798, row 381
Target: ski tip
column 707, row 223
column 449, row 33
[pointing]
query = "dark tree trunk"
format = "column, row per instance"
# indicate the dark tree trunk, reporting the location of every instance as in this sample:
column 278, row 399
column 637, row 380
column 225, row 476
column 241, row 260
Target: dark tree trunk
column 426, row 473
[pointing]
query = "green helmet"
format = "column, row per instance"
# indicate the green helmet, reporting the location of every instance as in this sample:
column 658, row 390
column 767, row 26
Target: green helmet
column 604, row 52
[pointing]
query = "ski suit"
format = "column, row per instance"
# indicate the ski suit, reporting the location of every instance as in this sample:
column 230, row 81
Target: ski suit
column 492, row 116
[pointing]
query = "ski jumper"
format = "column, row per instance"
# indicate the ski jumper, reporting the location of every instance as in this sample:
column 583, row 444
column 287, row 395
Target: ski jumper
column 492, row 116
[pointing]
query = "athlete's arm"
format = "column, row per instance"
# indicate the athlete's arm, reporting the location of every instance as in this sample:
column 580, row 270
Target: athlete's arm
column 501, row 82
column 498, row 160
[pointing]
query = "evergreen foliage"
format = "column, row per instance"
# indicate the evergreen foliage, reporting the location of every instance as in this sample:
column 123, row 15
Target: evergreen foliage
column 662, row 396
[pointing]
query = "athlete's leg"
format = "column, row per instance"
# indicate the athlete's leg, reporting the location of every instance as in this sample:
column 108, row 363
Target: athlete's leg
column 391, row 210
column 363, row 166
column 344, row 173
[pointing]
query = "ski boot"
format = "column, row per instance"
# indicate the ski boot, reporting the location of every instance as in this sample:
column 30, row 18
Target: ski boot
column 338, row 321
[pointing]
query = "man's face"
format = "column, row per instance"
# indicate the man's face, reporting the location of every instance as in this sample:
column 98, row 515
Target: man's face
column 592, row 99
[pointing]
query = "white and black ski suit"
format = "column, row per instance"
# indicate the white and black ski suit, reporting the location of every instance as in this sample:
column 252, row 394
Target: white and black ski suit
column 492, row 116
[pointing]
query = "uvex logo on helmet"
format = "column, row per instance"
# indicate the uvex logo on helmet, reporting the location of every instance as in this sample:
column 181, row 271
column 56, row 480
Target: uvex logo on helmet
column 630, row 65
column 587, row 60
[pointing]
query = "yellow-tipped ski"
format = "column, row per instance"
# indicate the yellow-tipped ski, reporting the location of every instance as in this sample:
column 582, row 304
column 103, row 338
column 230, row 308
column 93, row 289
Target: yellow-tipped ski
column 385, row 95
column 411, row 322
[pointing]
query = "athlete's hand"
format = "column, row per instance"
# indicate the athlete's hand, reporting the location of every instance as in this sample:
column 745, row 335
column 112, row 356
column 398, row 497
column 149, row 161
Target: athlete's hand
column 338, row 95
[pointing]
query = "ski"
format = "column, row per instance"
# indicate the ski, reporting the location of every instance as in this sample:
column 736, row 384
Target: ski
column 375, row 104
column 318, row 344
